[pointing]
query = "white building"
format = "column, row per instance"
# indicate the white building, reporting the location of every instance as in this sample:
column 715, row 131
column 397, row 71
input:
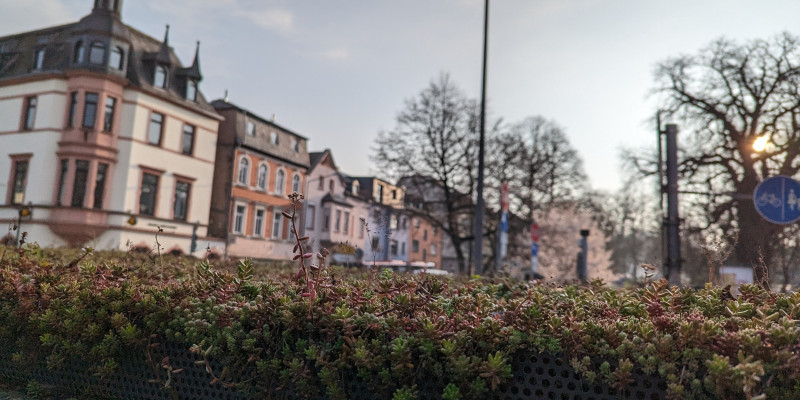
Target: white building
column 106, row 136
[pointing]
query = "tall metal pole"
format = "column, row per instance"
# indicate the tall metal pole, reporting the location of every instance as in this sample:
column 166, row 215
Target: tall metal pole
column 673, row 273
column 478, row 260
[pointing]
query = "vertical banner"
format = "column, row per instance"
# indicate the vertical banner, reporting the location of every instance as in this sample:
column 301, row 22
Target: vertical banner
column 503, row 223
column 534, row 248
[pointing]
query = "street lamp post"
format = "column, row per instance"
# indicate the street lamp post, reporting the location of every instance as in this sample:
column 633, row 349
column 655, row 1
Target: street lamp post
column 478, row 228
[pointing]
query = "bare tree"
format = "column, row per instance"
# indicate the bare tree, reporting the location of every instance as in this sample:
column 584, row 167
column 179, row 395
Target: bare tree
column 434, row 147
column 537, row 160
column 725, row 97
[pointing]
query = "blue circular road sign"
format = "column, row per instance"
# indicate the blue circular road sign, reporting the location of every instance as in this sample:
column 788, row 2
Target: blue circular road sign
column 777, row 199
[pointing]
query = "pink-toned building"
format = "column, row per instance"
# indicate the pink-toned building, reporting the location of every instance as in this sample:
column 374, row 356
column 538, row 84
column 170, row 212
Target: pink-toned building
column 99, row 123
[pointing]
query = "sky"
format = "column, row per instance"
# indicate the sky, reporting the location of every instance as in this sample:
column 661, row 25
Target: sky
column 338, row 72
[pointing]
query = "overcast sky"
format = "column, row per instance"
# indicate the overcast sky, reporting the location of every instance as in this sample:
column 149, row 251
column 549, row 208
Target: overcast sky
column 338, row 72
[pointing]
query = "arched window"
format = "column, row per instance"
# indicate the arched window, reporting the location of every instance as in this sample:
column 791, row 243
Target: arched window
column 116, row 58
column 280, row 181
column 244, row 166
column 262, row 177
column 79, row 55
column 355, row 188
column 97, row 53
column 191, row 90
column 296, row 183
column 160, row 79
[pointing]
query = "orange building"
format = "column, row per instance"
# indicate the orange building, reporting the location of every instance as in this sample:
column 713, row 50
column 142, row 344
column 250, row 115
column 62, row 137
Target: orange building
column 259, row 163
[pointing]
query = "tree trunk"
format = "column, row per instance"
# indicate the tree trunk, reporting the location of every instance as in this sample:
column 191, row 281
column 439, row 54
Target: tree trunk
column 754, row 245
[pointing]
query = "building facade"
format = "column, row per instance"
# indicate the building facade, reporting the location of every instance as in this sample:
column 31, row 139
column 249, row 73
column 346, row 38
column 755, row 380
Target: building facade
column 387, row 236
column 259, row 163
column 106, row 136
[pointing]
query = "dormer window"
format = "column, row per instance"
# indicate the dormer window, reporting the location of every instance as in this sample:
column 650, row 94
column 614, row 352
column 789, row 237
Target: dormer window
column 160, row 79
column 38, row 58
column 79, row 54
column 251, row 128
column 355, row 188
column 295, row 145
column 273, row 137
column 97, row 53
column 191, row 90
column 116, row 58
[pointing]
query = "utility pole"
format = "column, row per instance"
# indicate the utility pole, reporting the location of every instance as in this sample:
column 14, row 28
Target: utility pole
column 673, row 262
column 478, row 228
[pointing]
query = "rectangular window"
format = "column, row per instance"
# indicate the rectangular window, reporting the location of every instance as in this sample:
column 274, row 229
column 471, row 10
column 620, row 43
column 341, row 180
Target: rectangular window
column 361, row 229
column 156, row 124
column 416, row 222
column 337, row 224
column 258, row 224
column 180, row 209
column 79, row 184
column 310, row 216
column 321, row 184
column 30, row 113
column 425, row 234
column 403, row 248
column 433, row 249
column 108, row 121
column 38, row 58
column 89, row 110
column 251, row 128
column 147, row 198
column 394, row 247
column 415, row 246
column 187, row 144
column 326, row 220
column 395, row 222
column 73, row 109
column 100, row 185
column 20, row 181
column 62, row 181
column 238, row 219
column 346, row 221
column 277, row 221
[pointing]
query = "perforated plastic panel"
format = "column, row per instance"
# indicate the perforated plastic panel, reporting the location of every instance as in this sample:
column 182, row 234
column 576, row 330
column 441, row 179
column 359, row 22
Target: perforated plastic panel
column 535, row 376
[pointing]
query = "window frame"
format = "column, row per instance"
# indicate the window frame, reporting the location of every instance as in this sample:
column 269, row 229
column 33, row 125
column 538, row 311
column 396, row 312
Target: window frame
column 108, row 115
column 161, row 124
column 243, row 174
column 29, row 113
column 73, row 109
column 280, row 181
column 86, row 109
column 79, row 53
column 157, row 174
column 120, row 63
column 101, row 47
column 274, row 139
column 191, row 96
column 192, row 135
column 62, row 180
column 16, row 160
column 100, row 185
column 187, row 200
column 297, row 182
column 38, row 58
column 415, row 246
column 277, row 223
column 258, row 226
column 311, row 211
column 337, row 220
column 250, row 128
column 161, row 84
column 239, row 219
column 346, row 226
column 262, row 177
column 80, row 182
